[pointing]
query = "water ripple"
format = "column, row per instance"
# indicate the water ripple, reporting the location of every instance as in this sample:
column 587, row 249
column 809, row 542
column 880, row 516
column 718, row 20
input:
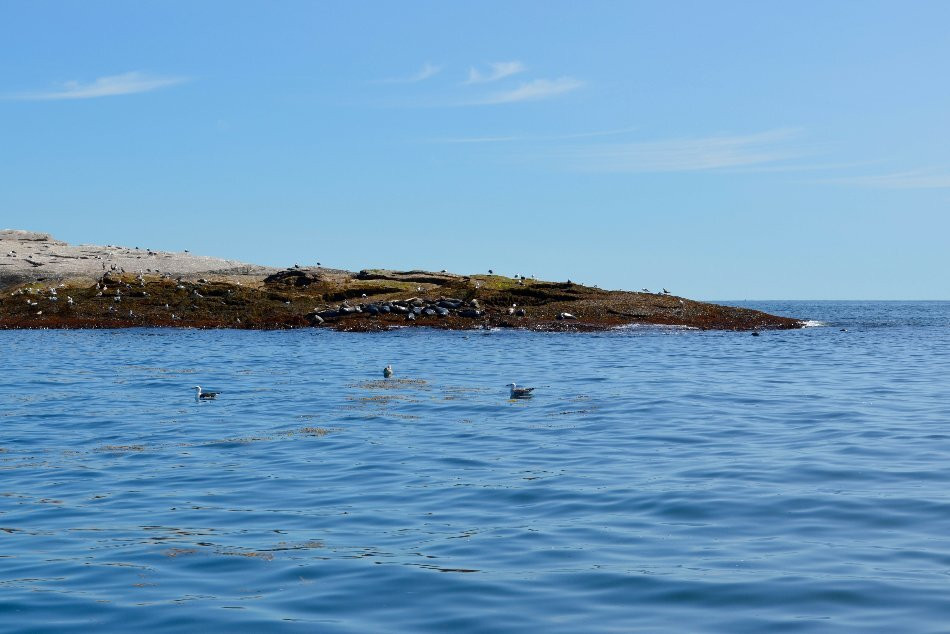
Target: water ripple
column 659, row 480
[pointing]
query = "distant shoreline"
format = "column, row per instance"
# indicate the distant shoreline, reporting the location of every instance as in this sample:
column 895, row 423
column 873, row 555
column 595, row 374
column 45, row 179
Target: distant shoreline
column 50, row 284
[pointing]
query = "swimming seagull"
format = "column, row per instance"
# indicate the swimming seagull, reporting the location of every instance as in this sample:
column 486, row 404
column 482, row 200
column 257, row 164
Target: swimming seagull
column 387, row 371
column 520, row 392
column 204, row 396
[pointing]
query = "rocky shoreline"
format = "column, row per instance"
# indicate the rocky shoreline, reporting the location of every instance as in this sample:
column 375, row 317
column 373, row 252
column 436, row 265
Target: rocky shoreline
column 49, row 284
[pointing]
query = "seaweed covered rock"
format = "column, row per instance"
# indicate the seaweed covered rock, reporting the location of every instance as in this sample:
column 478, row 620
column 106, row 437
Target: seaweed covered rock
column 50, row 284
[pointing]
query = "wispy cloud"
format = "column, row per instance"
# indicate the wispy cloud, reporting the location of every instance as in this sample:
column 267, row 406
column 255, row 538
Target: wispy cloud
column 534, row 90
column 428, row 70
column 109, row 86
column 532, row 139
column 911, row 179
column 476, row 91
column 802, row 167
column 685, row 155
column 498, row 70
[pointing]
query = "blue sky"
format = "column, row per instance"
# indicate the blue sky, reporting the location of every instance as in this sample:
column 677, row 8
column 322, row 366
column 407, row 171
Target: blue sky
column 722, row 150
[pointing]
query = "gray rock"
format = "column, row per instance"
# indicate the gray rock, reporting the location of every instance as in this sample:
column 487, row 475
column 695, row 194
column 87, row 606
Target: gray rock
column 26, row 236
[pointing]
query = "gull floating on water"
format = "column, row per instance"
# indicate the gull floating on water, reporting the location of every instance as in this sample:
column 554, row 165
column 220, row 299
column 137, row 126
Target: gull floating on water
column 387, row 371
column 204, row 396
column 520, row 392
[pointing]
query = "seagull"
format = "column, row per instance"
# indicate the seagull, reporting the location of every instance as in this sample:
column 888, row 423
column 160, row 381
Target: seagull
column 204, row 396
column 520, row 392
column 387, row 371
column 666, row 292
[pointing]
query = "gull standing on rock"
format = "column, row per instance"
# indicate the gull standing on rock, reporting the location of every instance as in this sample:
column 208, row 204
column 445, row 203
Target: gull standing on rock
column 520, row 392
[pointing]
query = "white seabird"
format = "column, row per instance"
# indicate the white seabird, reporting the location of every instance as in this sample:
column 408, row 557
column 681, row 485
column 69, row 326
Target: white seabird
column 387, row 371
column 204, row 396
column 520, row 392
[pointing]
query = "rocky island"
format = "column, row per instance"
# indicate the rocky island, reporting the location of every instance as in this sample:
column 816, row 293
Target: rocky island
column 46, row 283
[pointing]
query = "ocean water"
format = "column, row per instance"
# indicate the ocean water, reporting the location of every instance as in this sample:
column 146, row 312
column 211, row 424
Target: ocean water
column 660, row 479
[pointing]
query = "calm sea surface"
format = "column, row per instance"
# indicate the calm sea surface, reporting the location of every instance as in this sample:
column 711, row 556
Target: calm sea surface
column 660, row 479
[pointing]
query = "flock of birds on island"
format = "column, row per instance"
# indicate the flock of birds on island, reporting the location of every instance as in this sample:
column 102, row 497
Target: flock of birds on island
column 515, row 392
